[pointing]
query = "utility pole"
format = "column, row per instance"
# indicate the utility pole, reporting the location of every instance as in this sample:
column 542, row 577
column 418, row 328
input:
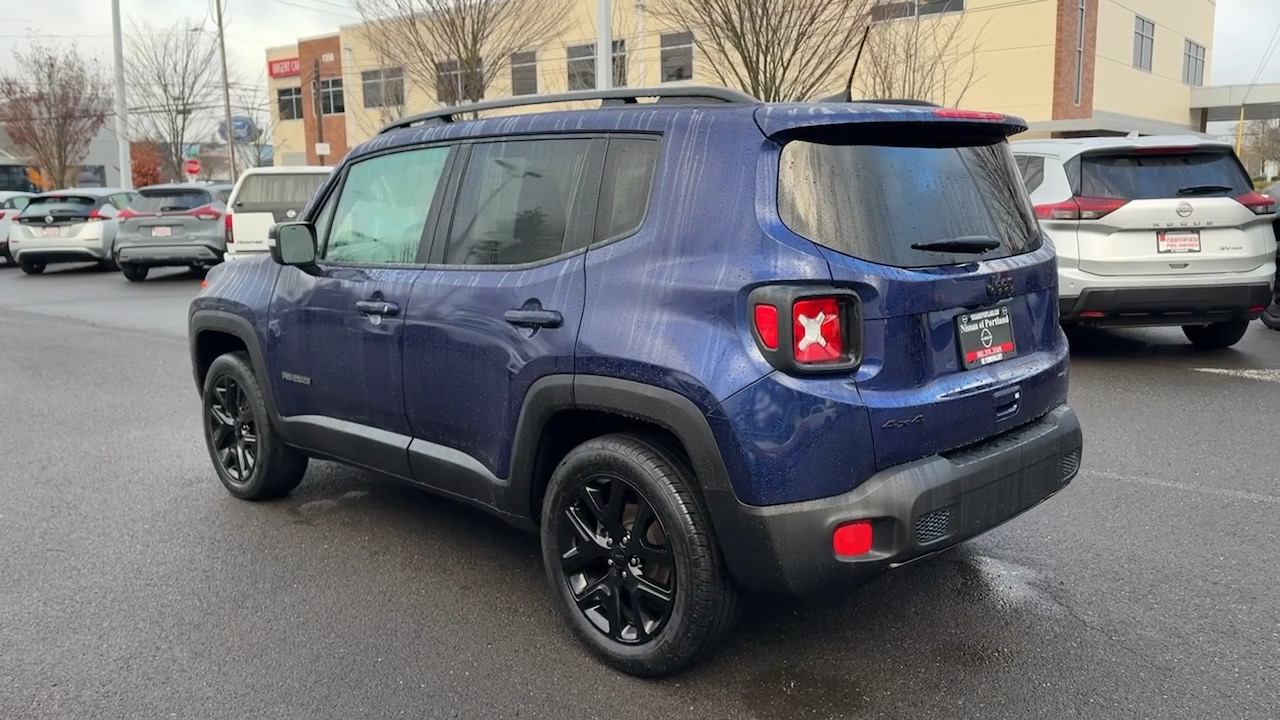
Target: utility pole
column 226, row 95
column 604, row 44
column 121, row 106
column 318, row 110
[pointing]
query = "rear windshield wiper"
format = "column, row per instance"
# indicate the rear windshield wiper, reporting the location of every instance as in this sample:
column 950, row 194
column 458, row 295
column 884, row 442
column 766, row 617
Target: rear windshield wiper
column 967, row 244
column 1203, row 189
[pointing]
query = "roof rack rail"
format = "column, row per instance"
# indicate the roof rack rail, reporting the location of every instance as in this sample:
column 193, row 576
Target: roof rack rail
column 688, row 94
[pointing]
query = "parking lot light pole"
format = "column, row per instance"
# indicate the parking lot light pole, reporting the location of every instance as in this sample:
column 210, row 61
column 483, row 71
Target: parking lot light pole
column 226, row 97
column 121, row 107
column 604, row 44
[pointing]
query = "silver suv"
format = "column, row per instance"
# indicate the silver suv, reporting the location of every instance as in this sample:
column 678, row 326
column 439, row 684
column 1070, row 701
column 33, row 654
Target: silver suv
column 1157, row 230
column 172, row 225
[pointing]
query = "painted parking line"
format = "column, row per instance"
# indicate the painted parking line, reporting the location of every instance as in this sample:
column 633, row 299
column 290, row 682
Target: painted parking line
column 1263, row 375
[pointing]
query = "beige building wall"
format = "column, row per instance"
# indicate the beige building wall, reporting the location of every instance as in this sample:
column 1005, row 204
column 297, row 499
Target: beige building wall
column 287, row 136
column 1159, row 94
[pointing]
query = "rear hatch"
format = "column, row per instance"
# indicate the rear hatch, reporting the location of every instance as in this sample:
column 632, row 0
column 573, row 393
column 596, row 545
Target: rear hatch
column 159, row 216
column 922, row 213
column 1165, row 211
column 264, row 199
column 58, row 216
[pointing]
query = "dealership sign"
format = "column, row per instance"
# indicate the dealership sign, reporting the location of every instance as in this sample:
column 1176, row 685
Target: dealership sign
column 283, row 67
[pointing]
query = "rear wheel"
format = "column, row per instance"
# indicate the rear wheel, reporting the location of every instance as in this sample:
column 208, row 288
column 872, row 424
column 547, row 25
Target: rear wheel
column 135, row 273
column 31, row 268
column 1216, row 336
column 109, row 265
column 251, row 460
column 632, row 560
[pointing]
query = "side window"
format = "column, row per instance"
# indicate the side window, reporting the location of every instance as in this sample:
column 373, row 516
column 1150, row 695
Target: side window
column 1032, row 170
column 383, row 207
column 19, row 203
column 515, row 201
column 624, row 190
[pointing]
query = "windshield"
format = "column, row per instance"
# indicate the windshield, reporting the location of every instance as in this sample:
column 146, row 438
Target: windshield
column 292, row 190
column 875, row 202
column 154, row 201
column 1147, row 176
column 61, row 204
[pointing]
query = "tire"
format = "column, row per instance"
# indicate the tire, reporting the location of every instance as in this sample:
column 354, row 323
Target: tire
column 109, row 265
column 1271, row 316
column 232, row 392
column 1216, row 336
column 650, row 481
column 135, row 273
column 31, row 268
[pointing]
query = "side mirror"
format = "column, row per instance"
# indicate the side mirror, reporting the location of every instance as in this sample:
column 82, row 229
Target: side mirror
column 293, row 243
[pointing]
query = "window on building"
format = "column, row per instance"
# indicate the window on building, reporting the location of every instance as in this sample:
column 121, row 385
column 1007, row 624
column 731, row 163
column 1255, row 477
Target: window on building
column 456, row 84
column 331, row 100
column 899, row 9
column 290, row 102
column 1193, row 56
column 383, row 87
column 582, row 65
column 524, row 73
column 1080, row 25
column 677, row 56
column 515, row 200
column 1144, row 42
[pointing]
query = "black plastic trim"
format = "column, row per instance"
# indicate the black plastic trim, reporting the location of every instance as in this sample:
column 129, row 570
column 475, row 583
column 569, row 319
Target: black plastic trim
column 1138, row 307
column 784, row 297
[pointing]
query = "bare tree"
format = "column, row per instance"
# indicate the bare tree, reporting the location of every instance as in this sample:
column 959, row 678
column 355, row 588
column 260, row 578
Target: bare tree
column 52, row 107
column 174, row 74
column 383, row 92
column 1262, row 145
column 251, row 102
column 776, row 50
column 920, row 58
column 459, row 47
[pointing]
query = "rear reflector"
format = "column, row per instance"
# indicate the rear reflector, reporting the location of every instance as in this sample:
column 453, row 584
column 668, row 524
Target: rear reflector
column 852, row 539
column 1092, row 313
column 767, row 325
column 1080, row 208
column 1257, row 308
column 816, row 329
column 1257, row 202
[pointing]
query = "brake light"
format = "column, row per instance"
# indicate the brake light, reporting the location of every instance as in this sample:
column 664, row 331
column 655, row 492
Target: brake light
column 226, row 219
column 1080, row 208
column 816, row 332
column 126, row 213
column 853, row 539
column 205, row 212
column 1163, row 150
column 961, row 114
column 767, row 325
column 807, row 329
column 1257, row 202
column 96, row 214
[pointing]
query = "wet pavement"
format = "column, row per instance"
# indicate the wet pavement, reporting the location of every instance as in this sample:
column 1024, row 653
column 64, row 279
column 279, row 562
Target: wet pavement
column 133, row 586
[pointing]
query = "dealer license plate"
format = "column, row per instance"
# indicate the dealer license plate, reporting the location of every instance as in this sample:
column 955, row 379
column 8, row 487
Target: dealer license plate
column 1178, row 241
column 162, row 231
column 51, row 231
column 985, row 337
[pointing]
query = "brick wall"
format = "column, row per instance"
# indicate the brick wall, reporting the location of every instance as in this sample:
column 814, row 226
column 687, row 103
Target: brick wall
column 1064, row 70
column 325, row 55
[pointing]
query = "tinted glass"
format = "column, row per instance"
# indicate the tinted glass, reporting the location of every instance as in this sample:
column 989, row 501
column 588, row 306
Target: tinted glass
column 875, row 201
column 384, row 206
column 291, row 190
column 152, row 201
column 1032, row 170
column 15, row 203
column 624, row 189
column 65, row 204
column 1150, row 176
column 515, row 201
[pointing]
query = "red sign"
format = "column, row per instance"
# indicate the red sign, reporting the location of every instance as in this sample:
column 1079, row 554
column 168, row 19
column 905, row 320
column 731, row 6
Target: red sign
column 284, row 67
column 191, row 166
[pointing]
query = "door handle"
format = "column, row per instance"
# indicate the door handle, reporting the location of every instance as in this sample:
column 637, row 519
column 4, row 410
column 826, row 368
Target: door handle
column 534, row 318
column 378, row 307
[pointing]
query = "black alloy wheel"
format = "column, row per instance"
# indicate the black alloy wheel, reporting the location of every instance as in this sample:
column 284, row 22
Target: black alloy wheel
column 234, row 430
column 616, row 560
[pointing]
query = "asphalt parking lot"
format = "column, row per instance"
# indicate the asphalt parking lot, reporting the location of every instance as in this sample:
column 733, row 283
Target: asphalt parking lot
column 132, row 585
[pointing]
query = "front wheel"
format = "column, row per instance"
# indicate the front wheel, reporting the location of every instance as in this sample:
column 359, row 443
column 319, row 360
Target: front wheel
column 1216, row 336
column 252, row 461
column 632, row 559
column 134, row 273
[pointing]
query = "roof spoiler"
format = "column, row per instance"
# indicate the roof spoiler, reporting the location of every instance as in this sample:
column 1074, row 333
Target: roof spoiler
column 779, row 121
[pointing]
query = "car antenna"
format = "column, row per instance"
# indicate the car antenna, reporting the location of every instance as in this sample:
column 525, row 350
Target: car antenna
column 848, row 86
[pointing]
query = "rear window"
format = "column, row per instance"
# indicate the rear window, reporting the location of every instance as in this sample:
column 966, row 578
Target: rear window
column 875, row 201
column 275, row 189
column 153, row 201
column 1149, row 176
column 60, row 204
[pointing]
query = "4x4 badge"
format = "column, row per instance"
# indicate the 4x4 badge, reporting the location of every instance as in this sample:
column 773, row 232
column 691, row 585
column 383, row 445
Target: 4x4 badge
column 1184, row 209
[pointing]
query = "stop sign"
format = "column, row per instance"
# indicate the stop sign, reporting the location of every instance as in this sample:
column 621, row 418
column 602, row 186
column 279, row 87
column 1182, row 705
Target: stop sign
column 191, row 166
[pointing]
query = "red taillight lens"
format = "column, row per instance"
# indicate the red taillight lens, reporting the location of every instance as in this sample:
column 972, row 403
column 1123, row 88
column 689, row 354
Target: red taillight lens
column 205, row 212
column 853, row 539
column 1257, row 202
column 126, row 213
column 226, row 219
column 96, row 214
column 962, row 114
column 817, row 330
column 1080, row 208
column 767, row 325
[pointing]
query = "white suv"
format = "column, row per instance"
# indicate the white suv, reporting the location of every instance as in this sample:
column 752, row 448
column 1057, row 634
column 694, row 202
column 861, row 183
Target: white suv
column 1155, row 230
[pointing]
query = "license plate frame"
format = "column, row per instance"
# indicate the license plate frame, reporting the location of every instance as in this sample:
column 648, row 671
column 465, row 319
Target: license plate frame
column 51, row 232
column 162, row 231
column 1177, row 242
column 986, row 337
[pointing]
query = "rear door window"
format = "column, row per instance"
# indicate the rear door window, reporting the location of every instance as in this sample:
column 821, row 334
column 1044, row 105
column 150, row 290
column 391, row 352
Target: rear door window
column 1153, row 175
column 292, row 190
column 874, row 202
column 177, row 200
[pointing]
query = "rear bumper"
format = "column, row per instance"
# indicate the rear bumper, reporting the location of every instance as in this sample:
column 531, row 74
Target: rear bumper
column 52, row 255
column 1135, row 307
column 174, row 254
column 916, row 509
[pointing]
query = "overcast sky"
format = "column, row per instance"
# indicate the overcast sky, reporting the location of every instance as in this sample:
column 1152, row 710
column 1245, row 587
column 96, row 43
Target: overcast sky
column 1243, row 30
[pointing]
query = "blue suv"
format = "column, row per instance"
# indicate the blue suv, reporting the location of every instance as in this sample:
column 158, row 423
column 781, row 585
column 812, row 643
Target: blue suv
column 702, row 345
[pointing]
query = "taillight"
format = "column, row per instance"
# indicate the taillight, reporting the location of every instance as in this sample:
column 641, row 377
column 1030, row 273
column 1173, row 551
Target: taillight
column 1080, row 208
column 96, row 214
column 126, row 213
column 962, row 114
column 1257, row 202
column 807, row 329
column 205, row 212
column 226, row 220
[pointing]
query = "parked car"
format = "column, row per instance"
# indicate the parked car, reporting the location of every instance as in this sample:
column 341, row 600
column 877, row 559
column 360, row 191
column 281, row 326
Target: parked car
column 1158, row 230
column 11, row 205
column 264, row 196
column 173, row 225
column 73, row 225
column 1271, row 316
column 703, row 346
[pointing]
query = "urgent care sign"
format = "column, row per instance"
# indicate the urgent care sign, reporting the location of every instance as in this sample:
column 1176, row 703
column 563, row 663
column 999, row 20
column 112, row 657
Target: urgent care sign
column 284, row 67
